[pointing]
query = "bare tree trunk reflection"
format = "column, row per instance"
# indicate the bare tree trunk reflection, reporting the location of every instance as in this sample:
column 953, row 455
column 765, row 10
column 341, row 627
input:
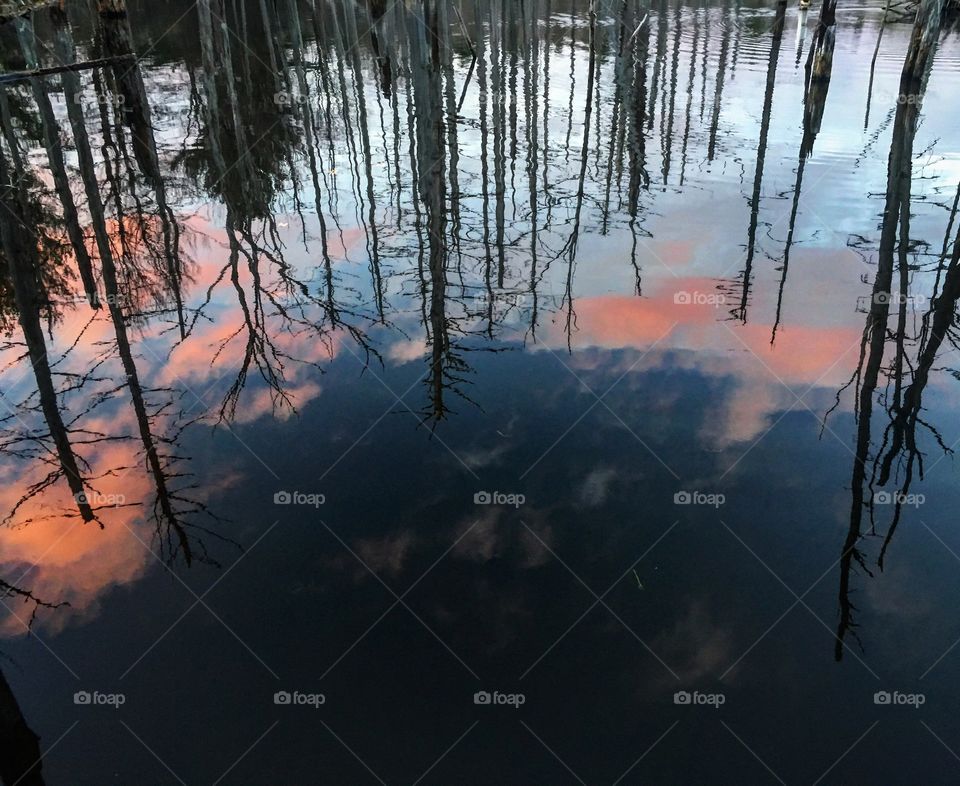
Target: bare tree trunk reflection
column 718, row 92
column 23, row 265
column 817, row 83
column 21, row 762
column 777, row 35
column 54, row 150
column 895, row 216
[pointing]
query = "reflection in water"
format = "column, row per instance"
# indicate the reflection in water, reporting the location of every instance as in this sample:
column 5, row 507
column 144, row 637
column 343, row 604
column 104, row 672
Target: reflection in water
column 777, row 35
column 817, row 73
column 899, row 439
column 194, row 237
column 20, row 761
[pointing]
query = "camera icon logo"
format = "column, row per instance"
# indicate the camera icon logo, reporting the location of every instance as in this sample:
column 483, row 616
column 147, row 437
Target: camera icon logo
column 481, row 697
column 682, row 298
column 281, row 697
column 282, row 498
column 681, row 697
column 883, row 498
column 882, row 298
column 881, row 697
column 82, row 697
column 682, row 498
column 482, row 498
column 81, row 498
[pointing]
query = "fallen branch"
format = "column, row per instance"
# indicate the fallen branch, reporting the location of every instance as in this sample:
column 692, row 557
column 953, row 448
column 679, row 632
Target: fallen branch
column 634, row 35
column 466, row 33
column 17, row 76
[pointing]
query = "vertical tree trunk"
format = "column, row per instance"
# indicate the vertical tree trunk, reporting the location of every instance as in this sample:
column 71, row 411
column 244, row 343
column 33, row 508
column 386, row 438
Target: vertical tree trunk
column 21, row 252
column 51, row 142
column 114, row 7
column 20, row 757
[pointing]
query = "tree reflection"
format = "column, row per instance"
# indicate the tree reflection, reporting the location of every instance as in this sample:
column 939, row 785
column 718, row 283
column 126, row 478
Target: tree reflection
column 818, row 71
column 32, row 298
column 20, row 758
column 777, row 37
column 899, row 438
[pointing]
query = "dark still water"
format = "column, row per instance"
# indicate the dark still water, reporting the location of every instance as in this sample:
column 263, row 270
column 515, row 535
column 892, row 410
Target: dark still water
column 479, row 392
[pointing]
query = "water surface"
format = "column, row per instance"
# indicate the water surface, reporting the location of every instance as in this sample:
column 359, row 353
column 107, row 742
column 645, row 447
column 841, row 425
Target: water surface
column 363, row 363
